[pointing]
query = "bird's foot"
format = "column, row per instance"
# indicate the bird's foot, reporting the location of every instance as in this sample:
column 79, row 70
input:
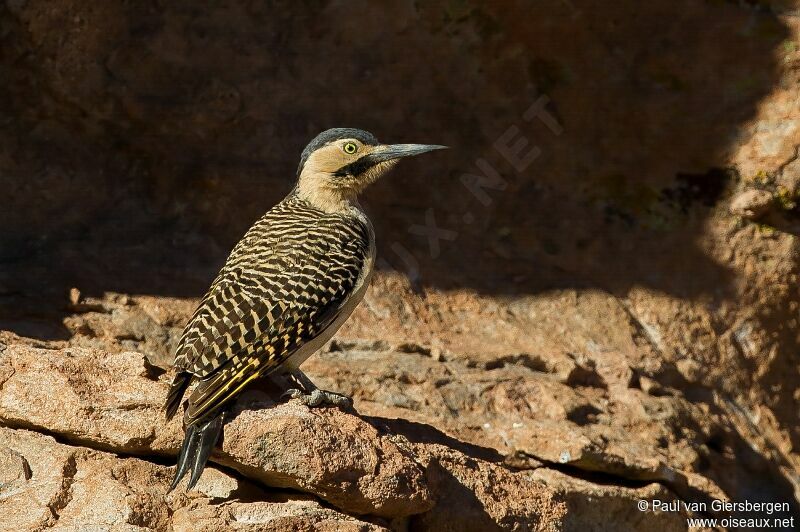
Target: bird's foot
column 319, row 397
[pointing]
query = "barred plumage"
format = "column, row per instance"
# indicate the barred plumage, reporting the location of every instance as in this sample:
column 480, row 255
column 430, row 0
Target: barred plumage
column 285, row 289
column 283, row 284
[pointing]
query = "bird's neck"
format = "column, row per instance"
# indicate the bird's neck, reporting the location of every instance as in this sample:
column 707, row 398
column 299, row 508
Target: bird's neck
column 330, row 199
column 327, row 199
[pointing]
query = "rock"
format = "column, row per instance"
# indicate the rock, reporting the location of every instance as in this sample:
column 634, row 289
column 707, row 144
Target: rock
column 217, row 485
column 374, row 466
column 113, row 400
column 13, row 467
column 752, row 204
column 289, row 516
column 476, row 495
column 519, row 411
column 115, row 403
column 336, row 456
column 651, row 386
column 690, row 370
column 610, row 508
column 74, row 296
column 144, row 324
column 572, row 410
column 75, row 488
column 78, row 488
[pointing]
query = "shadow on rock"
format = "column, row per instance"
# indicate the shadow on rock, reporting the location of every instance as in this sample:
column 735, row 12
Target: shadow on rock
column 423, row 433
column 630, row 143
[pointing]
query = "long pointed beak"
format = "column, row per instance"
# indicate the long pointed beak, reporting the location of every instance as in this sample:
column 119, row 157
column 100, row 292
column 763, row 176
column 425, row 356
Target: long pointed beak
column 389, row 152
column 386, row 152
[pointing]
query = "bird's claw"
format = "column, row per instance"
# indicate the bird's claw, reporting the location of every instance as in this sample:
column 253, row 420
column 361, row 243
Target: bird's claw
column 318, row 397
column 291, row 393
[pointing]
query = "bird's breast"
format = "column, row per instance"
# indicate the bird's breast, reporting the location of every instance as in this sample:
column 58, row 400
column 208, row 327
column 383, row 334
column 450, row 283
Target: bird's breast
column 353, row 299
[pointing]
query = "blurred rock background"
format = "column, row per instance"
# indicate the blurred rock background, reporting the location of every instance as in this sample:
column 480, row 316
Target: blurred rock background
column 621, row 311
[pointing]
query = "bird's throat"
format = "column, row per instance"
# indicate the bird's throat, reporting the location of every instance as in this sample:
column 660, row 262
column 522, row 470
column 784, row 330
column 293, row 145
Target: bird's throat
column 325, row 197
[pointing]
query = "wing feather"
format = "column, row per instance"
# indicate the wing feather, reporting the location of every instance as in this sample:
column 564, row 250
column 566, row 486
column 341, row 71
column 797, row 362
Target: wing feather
column 283, row 284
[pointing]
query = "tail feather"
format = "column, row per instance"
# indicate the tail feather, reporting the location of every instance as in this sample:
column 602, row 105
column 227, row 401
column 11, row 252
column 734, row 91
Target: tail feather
column 209, row 435
column 176, row 390
column 198, row 443
column 187, row 451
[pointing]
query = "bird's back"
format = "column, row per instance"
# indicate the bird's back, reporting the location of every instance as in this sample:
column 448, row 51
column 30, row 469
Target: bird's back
column 283, row 284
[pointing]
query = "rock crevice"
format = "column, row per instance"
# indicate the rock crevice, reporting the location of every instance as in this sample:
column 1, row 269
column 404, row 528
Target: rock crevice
column 377, row 475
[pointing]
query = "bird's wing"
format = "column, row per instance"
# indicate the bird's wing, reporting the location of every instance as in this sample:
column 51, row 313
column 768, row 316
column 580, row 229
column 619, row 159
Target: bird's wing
column 261, row 309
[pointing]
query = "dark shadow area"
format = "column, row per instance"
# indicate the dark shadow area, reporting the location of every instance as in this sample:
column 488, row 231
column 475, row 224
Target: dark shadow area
column 422, row 433
column 727, row 456
column 466, row 511
column 138, row 143
column 747, row 474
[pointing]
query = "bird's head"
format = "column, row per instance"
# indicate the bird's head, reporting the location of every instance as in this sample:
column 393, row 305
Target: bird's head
column 339, row 163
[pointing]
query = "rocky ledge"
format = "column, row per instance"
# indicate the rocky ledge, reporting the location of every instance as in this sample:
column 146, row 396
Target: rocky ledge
column 83, row 445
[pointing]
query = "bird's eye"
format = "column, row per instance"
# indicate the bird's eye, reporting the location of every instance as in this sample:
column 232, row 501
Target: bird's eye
column 350, row 148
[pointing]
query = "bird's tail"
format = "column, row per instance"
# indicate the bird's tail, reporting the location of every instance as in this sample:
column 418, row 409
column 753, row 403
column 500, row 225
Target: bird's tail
column 198, row 443
column 176, row 389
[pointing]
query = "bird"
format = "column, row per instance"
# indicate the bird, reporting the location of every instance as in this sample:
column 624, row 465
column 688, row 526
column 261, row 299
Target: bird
column 287, row 286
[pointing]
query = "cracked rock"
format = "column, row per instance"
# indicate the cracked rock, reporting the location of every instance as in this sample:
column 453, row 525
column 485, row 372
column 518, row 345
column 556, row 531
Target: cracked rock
column 76, row 488
column 377, row 467
column 338, row 457
column 87, row 395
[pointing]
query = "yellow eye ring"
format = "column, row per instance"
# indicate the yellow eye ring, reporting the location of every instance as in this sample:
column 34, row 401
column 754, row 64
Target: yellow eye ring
column 350, row 148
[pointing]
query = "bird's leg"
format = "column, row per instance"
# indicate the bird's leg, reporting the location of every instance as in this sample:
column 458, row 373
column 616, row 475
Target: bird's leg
column 311, row 395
